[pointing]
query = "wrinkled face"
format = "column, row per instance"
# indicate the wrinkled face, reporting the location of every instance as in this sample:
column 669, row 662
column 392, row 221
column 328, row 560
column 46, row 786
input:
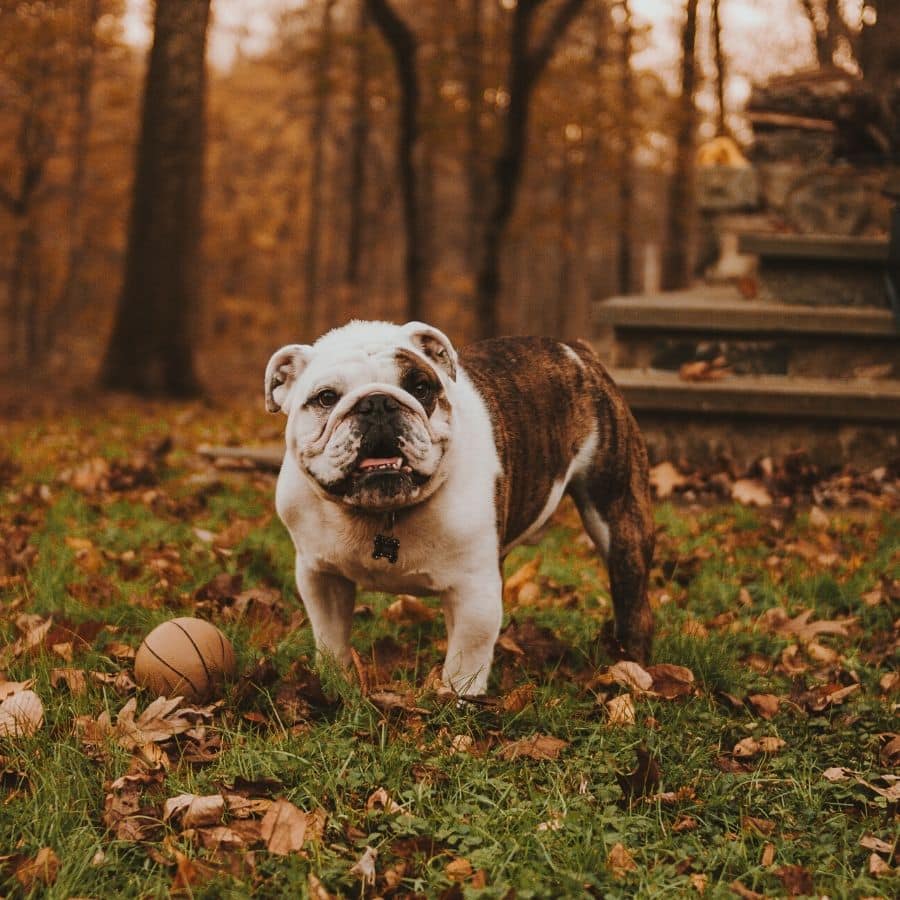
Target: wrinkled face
column 369, row 411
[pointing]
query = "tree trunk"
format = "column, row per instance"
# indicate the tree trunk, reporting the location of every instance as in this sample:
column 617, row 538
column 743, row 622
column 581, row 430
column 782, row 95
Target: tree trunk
column 626, row 159
column 359, row 138
column 71, row 290
column 402, row 43
column 564, row 300
column 676, row 263
column 317, row 170
column 473, row 47
column 719, row 64
column 525, row 68
column 151, row 350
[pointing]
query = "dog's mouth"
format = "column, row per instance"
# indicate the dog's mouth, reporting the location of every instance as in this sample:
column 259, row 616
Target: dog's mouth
column 382, row 465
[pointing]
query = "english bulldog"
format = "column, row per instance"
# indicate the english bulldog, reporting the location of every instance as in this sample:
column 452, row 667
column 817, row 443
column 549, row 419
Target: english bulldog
column 411, row 468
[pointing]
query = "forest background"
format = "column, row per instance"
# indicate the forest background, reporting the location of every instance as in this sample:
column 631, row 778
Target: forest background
column 491, row 166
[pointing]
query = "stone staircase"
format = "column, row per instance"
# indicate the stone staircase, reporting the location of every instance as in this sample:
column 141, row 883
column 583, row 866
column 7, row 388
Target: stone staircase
column 811, row 363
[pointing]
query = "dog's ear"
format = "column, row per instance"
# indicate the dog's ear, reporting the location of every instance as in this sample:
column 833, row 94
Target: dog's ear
column 282, row 372
column 434, row 344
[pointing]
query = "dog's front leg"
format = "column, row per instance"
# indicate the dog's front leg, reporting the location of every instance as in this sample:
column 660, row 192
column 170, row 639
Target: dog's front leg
column 328, row 600
column 473, row 611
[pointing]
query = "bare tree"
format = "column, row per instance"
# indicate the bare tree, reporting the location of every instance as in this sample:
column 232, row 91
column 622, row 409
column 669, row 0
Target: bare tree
column 359, row 136
column 404, row 48
column 526, row 64
column 472, row 53
column 676, row 260
column 626, row 152
column 318, row 128
column 719, row 64
column 151, row 349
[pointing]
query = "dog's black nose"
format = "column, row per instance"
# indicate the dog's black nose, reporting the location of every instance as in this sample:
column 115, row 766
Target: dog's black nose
column 375, row 404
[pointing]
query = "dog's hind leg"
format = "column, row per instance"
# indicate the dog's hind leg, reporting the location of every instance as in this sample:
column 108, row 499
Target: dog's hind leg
column 623, row 531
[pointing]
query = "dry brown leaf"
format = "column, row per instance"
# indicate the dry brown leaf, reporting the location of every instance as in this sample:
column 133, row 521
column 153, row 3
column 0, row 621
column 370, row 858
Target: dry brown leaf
column 620, row 861
column 74, row 679
column 224, row 838
column 767, row 857
column 8, row 688
column 459, row 869
column 836, row 773
column 889, row 682
column 777, row 621
column 21, row 714
column 164, row 718
column 671, row 681
column 750, row 492
column 766, row 705
column 761, row 826
column 797, row 881
column 518, row 698
column 364, row 867
column 538, row 746
column 684, row 823
column 317, row 890
column 283, row 828
column 409, row 610
column 43, row 869
column 380, row 801
column 665, row 479
column 123, row 812
column 890, row 752
column 621, row 710
column 749, row 747
column 630, row 675
column 195, row 811
column 521, row 576
column 870, row 842
column 704, row 370
column 645, row 778
column 745, row 893
column 698, row 881
column 878, row 867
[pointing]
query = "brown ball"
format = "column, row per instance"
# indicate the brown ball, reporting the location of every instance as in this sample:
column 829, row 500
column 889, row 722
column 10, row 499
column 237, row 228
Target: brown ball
column 185, row 657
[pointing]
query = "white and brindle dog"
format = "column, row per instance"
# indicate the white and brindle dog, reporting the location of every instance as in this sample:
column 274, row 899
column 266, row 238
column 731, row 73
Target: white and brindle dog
column 411, row 469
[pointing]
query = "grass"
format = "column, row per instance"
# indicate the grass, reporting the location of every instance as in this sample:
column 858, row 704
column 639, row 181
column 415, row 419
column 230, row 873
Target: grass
column 527, row 827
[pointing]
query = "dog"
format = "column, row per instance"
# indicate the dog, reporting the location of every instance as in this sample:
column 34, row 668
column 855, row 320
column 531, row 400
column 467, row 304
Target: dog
column 411, row 468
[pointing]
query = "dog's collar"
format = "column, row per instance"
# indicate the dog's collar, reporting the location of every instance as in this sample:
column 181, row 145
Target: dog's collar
column 387, row 546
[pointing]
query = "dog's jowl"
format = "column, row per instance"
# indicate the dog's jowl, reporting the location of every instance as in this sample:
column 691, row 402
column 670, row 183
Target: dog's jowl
column 410, row 468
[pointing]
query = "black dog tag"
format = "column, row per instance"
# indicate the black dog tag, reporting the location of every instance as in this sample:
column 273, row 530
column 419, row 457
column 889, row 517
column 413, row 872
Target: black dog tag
column 386, row 547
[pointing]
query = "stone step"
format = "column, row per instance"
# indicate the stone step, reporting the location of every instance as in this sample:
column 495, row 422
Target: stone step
column 767, row 396
column 663, row 331
column 723, row 309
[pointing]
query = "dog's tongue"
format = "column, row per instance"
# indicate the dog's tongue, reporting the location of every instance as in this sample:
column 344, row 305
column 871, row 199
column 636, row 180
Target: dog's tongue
column 393, row 461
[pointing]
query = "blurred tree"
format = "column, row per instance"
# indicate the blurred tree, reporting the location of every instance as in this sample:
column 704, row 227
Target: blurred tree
column 526, row 64
column 319, row 124
column 404, row 48
column 626, row 153
column 719, row 67
column 676, row 256
column 151, row 350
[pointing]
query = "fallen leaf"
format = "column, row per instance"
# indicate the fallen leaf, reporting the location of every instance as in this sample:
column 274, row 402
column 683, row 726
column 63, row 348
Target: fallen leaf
column 671, row 681
column 459, row 869
column 317, row 890
column 194, row 811
column 630, row 675
column 521, row 576
column 749, row 492
column 878, row 867
column 704, row 370
column 777, row 621
column 745, row 892
column 870, row 842
column 123, row 812
column 836, row 773
column 621, row 710
column 796, row 880
column 380, row 801
column 684, row 823
column 698, row 881
column 42, row 869
column 74, row 679
column 538, row 746
column 518, row 698
column 767, row 857
column 889, row 755
column 620, row 861
column 766, row 705
column 164, row 718
column 760, row 826
column 889, row 682
column 364, row 867
column 818, row 519
column 21, row 714
column 283, row 828
column 643, row 780
column 665, row 479
column 409, row 610
column 749, row 747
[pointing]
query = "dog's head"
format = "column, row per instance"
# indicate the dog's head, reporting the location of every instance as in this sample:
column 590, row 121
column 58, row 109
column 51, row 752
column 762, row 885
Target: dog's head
column 369, row 410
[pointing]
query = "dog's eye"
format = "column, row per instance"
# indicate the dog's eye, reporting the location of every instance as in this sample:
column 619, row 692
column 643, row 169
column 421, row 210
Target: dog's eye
column 421, row 390
column 327, row 398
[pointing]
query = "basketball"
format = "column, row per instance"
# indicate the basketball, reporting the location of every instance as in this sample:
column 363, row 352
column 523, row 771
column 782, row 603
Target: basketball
column 185, row 657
